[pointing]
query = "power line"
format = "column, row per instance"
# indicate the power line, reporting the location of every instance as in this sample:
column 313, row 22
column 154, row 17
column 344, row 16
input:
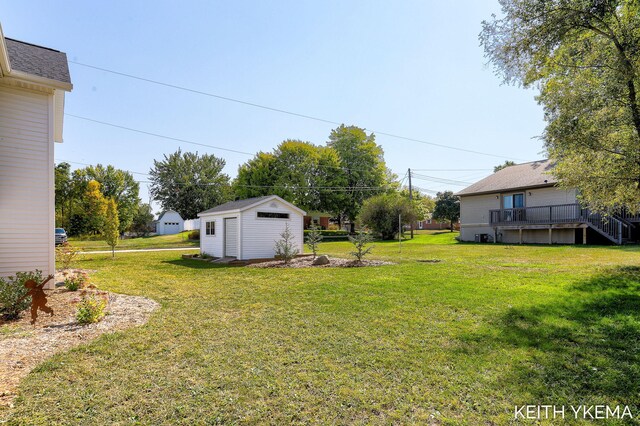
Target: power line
column 156, row 134
column 283, row 111
column 440, row 180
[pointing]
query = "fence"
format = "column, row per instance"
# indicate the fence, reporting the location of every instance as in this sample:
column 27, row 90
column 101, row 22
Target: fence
column 191, row 224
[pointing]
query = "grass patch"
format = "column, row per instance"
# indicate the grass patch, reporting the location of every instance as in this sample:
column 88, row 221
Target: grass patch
column 458, row 341
column 180, row 240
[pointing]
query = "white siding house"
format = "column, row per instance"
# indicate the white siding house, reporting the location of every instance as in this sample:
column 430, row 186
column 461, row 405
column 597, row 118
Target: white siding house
column 33, row 80
column 169, row 222
column 248, row 229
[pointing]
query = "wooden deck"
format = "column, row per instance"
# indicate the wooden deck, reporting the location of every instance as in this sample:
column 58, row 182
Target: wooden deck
column 616, row 227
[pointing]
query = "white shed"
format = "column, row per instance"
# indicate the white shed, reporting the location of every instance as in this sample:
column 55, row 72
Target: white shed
column 33, row 82
column 248, row 229
column 169, row 222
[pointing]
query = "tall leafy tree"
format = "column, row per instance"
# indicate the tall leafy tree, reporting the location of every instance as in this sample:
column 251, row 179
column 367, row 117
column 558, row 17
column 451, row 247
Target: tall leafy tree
column 189, row 183
column 447, row 207
column 584, row 55
column 63, row 194
column 362, row 166
column 94, row 205
column 114, row 183
column 302, row 173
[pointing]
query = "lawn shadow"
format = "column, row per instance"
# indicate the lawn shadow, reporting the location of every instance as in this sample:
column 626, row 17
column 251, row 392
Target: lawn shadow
column 197, row 264
column 584, row 348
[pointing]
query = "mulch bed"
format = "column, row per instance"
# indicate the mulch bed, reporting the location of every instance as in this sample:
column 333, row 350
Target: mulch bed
column 306, row 262
column 23, row 346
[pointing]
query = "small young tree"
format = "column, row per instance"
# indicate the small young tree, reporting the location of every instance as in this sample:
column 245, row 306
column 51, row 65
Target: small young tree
column 314, row 237
column 285, row 247
column 360, row 242
column 111, row 229
column 66, row 254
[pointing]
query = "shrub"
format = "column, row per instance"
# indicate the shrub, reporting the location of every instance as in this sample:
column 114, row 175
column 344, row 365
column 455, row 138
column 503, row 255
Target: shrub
column 313, row 236
column 194, row 235
column 381, row 213
column 66, row 254
column 285, row 248
column 91, row 309
column 13, row 293
column 328, row 233
column 360, row 241
column 76, row 282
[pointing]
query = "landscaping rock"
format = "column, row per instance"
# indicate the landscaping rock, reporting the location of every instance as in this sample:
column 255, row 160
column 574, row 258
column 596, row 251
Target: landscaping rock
column 321, row 260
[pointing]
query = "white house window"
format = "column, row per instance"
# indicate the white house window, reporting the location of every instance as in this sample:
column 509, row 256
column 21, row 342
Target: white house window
column 271, row 215
column 210, row 228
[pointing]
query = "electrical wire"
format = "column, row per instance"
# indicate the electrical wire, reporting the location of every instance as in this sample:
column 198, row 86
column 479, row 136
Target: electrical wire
column 283, row 111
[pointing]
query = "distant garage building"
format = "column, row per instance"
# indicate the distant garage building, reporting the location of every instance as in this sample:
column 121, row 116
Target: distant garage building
column 248, row 229
column 169, row 222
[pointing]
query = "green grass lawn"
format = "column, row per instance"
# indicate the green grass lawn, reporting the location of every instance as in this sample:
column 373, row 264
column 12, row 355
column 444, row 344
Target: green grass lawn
column 460, row 341
column 156, row 241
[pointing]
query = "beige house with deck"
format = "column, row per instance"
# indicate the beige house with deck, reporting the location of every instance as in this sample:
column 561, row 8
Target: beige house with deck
column 523, row 204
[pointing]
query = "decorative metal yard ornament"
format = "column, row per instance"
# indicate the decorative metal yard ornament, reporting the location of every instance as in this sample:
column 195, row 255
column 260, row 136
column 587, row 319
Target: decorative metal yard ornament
column 38, row 298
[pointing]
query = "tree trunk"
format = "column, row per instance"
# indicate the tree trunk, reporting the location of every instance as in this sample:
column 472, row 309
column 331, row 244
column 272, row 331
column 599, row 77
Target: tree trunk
column 452, row 225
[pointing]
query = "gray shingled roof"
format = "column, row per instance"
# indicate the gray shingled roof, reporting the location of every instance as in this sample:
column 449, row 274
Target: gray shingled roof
column 38, row 60
column 520, row 176
column 236, row 205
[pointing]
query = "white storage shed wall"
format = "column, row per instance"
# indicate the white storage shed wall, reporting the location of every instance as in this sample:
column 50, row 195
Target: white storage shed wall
column 255, row 236
column 26, row 181
column 259, row 234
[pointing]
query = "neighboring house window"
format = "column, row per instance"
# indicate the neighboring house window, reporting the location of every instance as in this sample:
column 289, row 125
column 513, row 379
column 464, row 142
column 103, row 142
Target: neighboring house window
column 513, row 201
column 420, row 225
column 510, row 203
column 271, row 215
column 211, row 228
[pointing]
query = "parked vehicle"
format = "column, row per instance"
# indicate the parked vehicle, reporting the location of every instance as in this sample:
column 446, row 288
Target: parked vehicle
column 61, row 236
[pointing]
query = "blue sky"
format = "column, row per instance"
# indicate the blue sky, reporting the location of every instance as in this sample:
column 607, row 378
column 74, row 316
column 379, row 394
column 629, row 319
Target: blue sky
column 411, row 68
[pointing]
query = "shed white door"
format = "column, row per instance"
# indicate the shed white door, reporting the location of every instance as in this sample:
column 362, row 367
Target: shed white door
column 231, row 237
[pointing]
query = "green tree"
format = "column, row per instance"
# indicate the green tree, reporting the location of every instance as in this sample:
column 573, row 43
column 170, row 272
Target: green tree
column 383, row 213
column 94, row 205
column 313, row 237
column 63, row 194
column 584, row 55
column 111, row 230
column 142, row 220
column 256, row 177
column 304, row 174
column 363, row 168
column 189, row 183
column 114, row 183
column 447, row 207
column 503, row 165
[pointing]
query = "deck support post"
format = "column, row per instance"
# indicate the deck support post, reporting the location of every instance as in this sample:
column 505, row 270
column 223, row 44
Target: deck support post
column 519, row 235
column 584, row 235
column 550, row 233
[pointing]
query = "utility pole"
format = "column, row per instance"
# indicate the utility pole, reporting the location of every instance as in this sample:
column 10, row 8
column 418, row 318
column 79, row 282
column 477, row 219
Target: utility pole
column 410, row 198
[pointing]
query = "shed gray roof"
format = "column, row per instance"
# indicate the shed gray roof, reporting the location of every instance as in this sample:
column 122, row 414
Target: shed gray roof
column 236, row 205
column 520, row 176
column 38, row 60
